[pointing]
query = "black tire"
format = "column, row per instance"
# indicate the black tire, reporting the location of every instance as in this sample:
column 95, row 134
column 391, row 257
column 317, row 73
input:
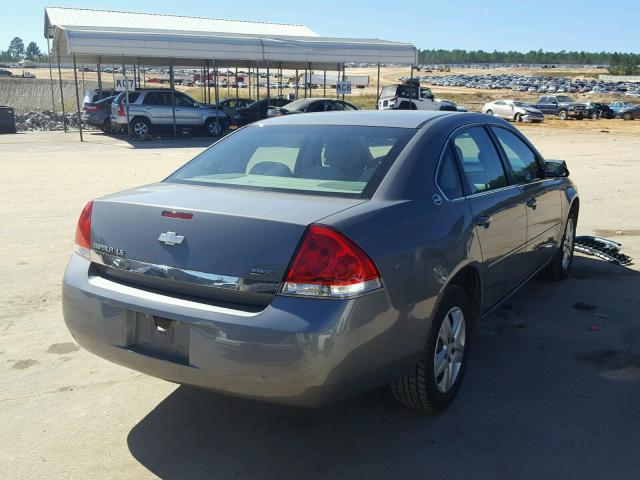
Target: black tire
column 489, row 112
column 518, row 118
column 211, row 127
column 420, row 391
column 558, row 269
column 106, row 126
column 140, row 127
column 562, row 114
column 594, row 115
column 579, row 117
column 628, row 116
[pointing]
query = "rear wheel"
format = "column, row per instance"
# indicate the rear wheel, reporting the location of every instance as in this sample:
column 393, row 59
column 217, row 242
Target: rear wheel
column 489, row 112
column 438, row 374
column 594, row 115
column 560, row 265
column 628, row 116
column 518, row 117
column 563, row 114
column 140, row 127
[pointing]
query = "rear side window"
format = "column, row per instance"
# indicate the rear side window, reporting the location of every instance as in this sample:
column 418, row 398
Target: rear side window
column 326, row 159
column 522, row 159
column 480, row 161
column 448, row 178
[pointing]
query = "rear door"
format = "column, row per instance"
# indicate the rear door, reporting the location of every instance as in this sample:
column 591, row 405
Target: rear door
column 542, row 197
column 498, row 211
column 157, row 107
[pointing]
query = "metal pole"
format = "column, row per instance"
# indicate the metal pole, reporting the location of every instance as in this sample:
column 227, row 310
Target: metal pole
column 84, row 87
column 344, row 77
column 268, row 87
column 99, row 76
column 126, row 96
column 310, row 85
column 236, row 87
column 228, row 84
column 64, row 117
column 215, row 70
column 208, row 84
column 173, row 98
column 113, row 74
column 75, row 77
column 53, row 97
column 324, row 83
column 297, row 80
column 305, row 82
column 257, row 91
column 378, row 87
column 338, row 79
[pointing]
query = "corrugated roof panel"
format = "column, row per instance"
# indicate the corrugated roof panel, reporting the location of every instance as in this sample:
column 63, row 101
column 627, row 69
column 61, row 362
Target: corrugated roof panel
column 80, row 17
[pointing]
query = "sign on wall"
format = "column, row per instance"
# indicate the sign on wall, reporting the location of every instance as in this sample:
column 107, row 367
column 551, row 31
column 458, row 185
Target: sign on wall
column 343, row 88
column 124, row 83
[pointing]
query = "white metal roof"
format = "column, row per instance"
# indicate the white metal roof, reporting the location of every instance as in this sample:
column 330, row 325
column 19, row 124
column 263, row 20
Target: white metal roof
column 85, row 17
column 149, row 40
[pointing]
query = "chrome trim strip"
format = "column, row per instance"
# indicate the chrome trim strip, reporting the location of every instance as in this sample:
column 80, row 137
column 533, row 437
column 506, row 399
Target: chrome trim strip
column 212, row 280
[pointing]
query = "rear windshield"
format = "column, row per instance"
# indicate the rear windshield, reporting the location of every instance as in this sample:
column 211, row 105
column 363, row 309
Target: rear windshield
column 315, row 159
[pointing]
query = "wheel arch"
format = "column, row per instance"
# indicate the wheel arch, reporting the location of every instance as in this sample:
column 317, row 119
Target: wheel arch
column 469, row 278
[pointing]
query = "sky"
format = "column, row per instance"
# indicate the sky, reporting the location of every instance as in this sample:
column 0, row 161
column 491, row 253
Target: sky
column 589, row 25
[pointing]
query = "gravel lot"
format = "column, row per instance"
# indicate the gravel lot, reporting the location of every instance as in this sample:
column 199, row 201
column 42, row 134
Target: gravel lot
column 552, row 390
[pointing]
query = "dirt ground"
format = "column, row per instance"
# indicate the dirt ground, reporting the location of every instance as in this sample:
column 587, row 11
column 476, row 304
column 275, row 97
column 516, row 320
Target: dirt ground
column 552, row 389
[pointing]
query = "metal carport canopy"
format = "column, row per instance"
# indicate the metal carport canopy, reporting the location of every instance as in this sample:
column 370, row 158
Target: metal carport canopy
column 187, row 48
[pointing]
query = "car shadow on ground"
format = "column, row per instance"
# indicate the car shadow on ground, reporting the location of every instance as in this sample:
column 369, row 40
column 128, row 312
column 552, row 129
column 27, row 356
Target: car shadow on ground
column 551, row 392
column 152, row 141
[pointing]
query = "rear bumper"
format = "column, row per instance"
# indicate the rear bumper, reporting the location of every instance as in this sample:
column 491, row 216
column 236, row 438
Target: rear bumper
column 295, row 351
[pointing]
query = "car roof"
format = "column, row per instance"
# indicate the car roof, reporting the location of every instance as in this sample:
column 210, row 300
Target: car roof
column 365, row 118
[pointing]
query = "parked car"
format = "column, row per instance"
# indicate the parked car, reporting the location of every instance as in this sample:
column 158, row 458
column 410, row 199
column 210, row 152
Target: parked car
column 5, row 73
column 561, row 105
column 98, row 114
column 619, row 106
column 630, row 113
column 152, row 111
column 233, row 102
column 407, row 96
column 309, row 105
column 257, row 110
column 599, row 110
column 513, row 110
column 260, row 268
column 94, row 95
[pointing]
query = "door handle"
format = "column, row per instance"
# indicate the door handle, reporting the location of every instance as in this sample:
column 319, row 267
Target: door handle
column 484, row 221
column 532, row 203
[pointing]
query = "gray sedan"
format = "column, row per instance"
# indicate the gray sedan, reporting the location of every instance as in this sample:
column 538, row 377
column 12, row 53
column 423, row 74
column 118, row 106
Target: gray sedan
column 307, row 258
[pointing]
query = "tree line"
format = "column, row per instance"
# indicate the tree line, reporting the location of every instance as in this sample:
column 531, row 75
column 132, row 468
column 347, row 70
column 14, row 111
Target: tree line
column 618, row 63
column 17, row 51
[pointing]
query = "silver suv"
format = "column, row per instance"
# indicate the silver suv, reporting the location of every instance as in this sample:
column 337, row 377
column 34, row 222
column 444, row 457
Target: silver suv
column 152, row 110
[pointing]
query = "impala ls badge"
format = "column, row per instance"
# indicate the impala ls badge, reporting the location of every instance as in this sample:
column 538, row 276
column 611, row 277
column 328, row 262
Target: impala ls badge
column 170, row 238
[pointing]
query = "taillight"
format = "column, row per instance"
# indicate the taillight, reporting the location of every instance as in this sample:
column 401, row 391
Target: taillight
column 328, row 264
column 121, row 110
column 83, row 231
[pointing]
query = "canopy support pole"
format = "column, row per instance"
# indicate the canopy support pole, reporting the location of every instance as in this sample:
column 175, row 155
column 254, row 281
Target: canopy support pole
column 268, row 87
column 309, row 79
column 64, row 116
column 297, row 81
column 324, row 83
column 126, row 95
column 173, row 98
column 280, row 86
column 338, row 79
column 75, row 77
column 344, row 76
column 378, row 87
column 99, row 76
column 217, row 93
column 236, row 87
column 249, row 82
column 257, row 90
column 53, row 97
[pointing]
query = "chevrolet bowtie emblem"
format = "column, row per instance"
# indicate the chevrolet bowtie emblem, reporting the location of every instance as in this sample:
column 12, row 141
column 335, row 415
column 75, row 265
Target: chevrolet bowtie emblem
column 170, row 238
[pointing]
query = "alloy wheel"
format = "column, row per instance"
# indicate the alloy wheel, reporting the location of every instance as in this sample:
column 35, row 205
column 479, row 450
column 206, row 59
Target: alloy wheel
column 140, row 129
column 567, row 245
column 449, row 351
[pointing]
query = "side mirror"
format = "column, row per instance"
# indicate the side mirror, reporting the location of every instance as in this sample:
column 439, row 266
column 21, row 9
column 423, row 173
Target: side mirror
column 555, row 169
